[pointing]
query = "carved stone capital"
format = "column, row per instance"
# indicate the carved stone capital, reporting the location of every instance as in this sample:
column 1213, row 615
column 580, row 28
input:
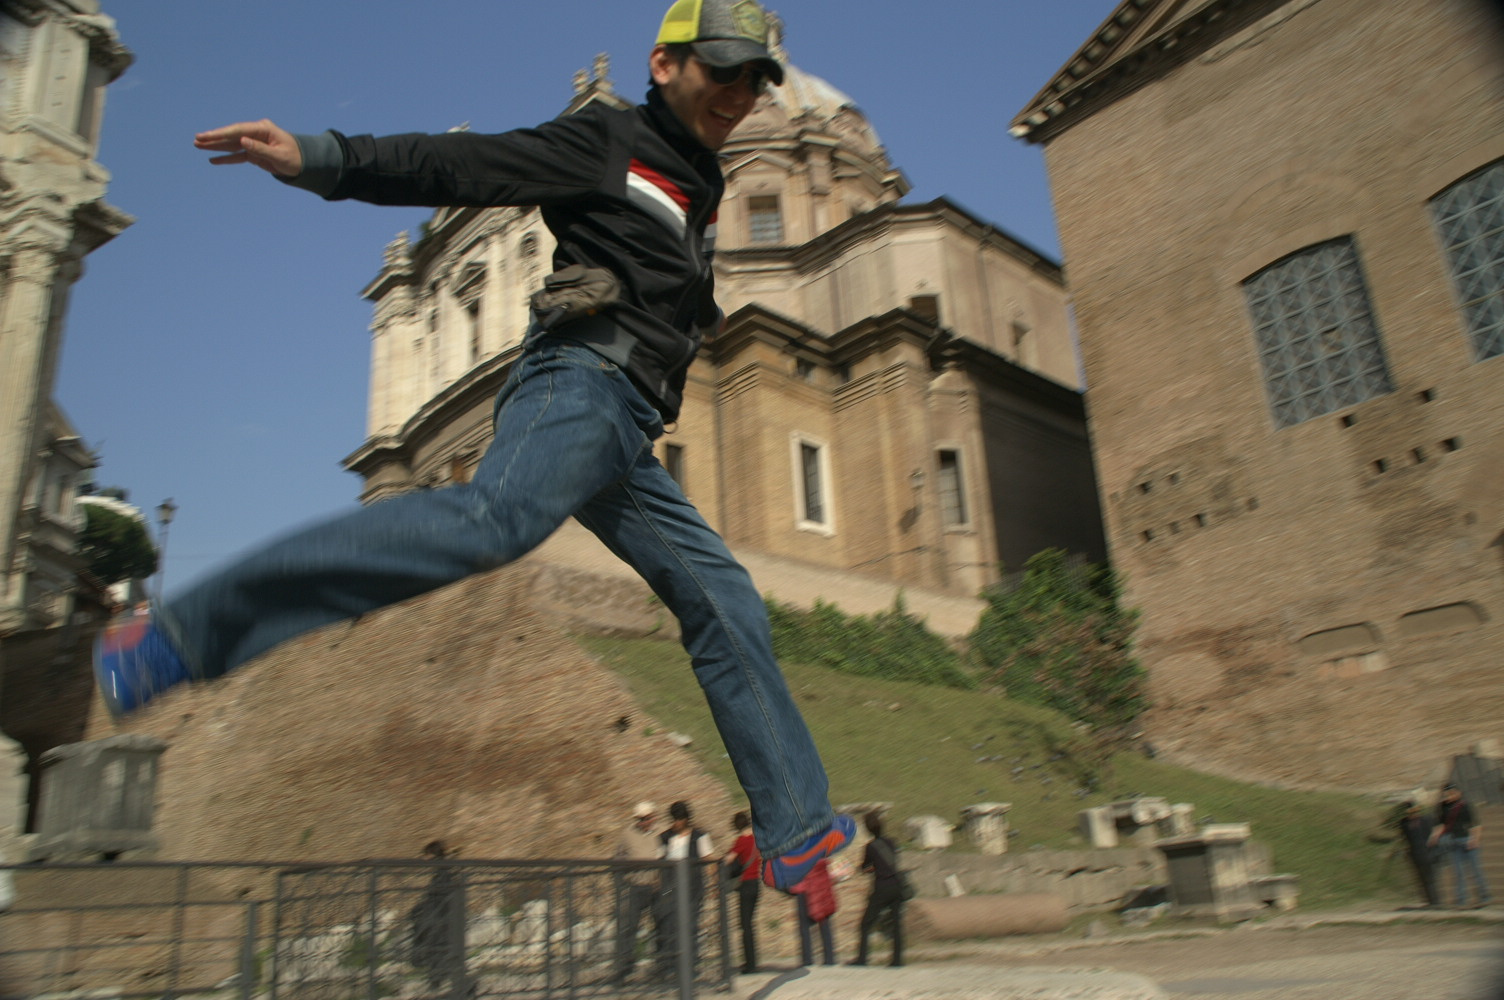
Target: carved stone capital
column 33, row 263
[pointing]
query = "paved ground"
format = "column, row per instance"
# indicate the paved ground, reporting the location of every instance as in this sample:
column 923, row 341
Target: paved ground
column 1367, row 956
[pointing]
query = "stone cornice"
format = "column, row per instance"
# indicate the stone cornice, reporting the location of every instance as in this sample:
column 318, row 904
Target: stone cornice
column 877, row 332
column 105, row 47
column 98, row 222
column 756, row 322
column 56, row 135
column 480, row 383
column 1140, row 41
column 374, row 451
column 827, row 248
column 950, row 351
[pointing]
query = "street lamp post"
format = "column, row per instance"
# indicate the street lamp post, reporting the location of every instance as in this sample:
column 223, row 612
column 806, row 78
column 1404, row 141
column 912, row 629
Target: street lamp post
column 165, row 510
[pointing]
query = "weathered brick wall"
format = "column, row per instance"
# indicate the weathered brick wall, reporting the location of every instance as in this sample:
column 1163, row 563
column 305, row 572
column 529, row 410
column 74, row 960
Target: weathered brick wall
column 1243, row 543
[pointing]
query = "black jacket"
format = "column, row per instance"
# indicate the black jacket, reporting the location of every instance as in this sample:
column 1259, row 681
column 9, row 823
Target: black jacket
column 629, row 190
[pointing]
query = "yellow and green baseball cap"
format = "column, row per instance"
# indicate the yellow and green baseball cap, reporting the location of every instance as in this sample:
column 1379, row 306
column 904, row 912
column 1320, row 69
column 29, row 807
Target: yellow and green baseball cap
column 722, row 33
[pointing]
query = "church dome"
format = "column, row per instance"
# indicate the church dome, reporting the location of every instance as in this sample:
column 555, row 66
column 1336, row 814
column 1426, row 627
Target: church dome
column 806, row 103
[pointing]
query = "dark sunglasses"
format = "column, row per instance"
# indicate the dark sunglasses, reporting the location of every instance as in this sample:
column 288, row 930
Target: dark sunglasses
column 726, row 76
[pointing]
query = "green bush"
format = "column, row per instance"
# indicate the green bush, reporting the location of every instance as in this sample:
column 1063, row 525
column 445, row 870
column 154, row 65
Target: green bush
column 892, row 645
column 1060, row 639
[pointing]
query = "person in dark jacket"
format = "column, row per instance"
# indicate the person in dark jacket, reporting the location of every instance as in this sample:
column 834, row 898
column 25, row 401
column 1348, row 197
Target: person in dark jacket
column 438, row 926
column 1415, row 829
column 631, row 197
column 1459, row 834
column 881, row 861
column 682, row 841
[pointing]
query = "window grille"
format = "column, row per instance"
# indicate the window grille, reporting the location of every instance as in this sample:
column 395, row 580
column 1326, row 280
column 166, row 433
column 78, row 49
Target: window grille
column 1470, row 218
column 813, row 488
column 765, row 222
column 952, row 491
column 1318, row 343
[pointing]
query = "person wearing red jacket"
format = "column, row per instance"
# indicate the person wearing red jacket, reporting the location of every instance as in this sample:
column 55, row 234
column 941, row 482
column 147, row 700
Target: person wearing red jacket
column 816, row 900
column 745, row 865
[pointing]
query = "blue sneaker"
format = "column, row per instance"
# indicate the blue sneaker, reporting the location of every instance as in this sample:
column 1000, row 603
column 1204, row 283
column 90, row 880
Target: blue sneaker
column 133, row 663
column 788, row 870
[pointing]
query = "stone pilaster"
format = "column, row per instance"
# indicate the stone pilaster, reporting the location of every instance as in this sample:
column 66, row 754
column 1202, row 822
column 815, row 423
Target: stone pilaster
column 26, row 352
column 13, row 787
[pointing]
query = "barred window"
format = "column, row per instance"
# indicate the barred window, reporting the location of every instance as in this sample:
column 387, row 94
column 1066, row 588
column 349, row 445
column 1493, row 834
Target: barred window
column 1318, row 343
column 1470, row 218
column 952, row 489
column 812, row 499
column 472, row 317
column 764, row 220
column 812, row 490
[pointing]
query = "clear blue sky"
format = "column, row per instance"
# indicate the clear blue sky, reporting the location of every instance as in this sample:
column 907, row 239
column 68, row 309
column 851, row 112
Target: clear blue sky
column 217, row 351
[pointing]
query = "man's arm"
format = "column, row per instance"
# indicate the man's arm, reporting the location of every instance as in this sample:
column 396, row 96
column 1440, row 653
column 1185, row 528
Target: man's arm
column 557, row 161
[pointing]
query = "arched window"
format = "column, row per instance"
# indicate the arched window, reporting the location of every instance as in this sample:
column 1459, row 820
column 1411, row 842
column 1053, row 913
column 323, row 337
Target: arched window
column 1469, row 216
column 1317, row 339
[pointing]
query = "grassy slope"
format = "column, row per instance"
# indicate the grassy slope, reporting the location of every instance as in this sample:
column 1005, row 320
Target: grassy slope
column 934, row 750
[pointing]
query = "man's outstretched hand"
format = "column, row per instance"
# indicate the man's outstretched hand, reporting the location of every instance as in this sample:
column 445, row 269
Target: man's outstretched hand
column 261, row 143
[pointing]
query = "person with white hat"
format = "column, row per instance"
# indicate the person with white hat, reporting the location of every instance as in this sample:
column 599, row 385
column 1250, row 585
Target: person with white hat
column 635, row 890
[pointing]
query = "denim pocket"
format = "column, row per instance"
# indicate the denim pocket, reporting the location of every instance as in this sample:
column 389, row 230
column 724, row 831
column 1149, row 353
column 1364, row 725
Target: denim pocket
column 577, row 356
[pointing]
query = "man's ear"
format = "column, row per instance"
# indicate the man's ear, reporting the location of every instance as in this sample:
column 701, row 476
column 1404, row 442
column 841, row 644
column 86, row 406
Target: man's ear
column 661, row 64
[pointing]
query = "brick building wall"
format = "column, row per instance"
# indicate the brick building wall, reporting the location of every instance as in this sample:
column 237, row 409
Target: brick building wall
column 1324, row 600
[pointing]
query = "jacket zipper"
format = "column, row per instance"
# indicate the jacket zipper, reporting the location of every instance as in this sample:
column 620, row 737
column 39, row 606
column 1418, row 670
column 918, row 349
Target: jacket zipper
column 701, row 266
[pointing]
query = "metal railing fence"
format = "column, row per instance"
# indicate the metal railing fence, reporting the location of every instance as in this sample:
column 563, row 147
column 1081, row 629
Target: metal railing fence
column 368, row 930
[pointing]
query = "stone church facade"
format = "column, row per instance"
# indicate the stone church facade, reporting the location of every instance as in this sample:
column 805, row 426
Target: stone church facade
column 894, row 393
column 1284, row 221
column 56, row 59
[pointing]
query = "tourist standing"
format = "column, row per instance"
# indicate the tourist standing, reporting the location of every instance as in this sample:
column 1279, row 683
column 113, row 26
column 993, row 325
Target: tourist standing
column 1415, row 829
column 682, row 841
column 744, row 863
column 636, row 889
column 815, row 899
column 1460, row 834
column 438, row 926
column 881, row 861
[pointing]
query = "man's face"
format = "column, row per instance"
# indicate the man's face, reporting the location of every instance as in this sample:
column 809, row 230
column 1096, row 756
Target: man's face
column 708, row 109
column 645, row 821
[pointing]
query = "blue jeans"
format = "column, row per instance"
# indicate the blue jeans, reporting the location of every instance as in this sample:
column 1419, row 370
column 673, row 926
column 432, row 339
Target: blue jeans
column 573, row 437
column 1464, row 862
